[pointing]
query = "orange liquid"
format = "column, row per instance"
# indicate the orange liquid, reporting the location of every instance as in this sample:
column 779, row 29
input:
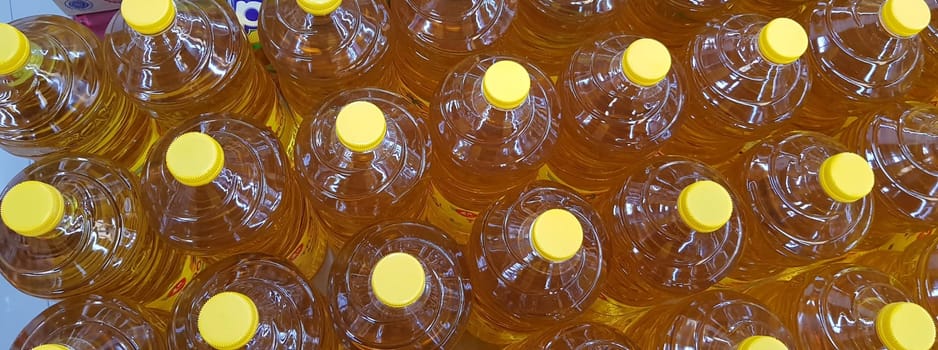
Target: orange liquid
column 290, row 313
column 539, row 293
column 576, row 337
column 673, row 22
column 63, row 101
column 201, row 64
column 255, row 205
column 435, row 321
column 924, row 89
column 95, row 322
column 913, row 265
column 104, row 244
column 771, row 8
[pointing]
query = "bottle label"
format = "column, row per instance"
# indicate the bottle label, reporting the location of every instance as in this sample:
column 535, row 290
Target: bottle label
column 902, row 241
column 544, row 173
column 309, row 253
column 190, row 268
column 154, row 136
column 449, row 217
column 490, row 333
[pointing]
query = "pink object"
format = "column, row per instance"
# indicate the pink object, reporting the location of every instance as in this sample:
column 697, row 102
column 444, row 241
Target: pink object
column 97, row 21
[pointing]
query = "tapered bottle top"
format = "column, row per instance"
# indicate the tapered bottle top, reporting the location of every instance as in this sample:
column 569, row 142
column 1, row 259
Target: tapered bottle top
column 905, row 18
column 846, row 177
column 506, row 84
column 398, row 280
column 14, row 53
column 32, row 208
column 148, row 17
column 361, row 126
column 646, row 62
column 783, row 41
column 195, row 159
column 905, row 326
column 228, row 320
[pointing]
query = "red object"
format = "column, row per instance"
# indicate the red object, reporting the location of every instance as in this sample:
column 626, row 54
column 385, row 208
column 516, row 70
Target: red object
column 97, row 21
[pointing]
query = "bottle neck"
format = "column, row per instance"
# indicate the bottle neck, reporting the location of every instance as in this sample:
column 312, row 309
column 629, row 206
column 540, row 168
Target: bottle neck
column 25, row 75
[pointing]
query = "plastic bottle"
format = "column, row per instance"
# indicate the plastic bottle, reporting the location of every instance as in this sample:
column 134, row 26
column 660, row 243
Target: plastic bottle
column 540, row 259
column 75, row 225
column 578, row 336
column 676, row 229
column 771, row 8
column 319, row 47
column 863, row 53
column 434, row 36
column 89, row 322
column 400, row 285
column 809, row 202
column 547, row 32
column 621, row 98
column 362, row 159
column 494, row 124
column 715, row 319
column 746, row 78
column 674, row 22
column 914, row 264
column 185, row 58
column 842, row 306
column 250, row 301
column 923, row 89
column 221, row 186
column 55, row 97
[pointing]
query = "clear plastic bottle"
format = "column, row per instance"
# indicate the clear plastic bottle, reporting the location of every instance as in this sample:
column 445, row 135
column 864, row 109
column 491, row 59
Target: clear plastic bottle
column 579, row 336
column 540, row 259
column 914, row 265
column 363, row 158
column 923, row 89
column 433, row 36
column 863, row 53
column 494, row 124
column 676, row 230
column 251, row 301
column 93, row 322
column 547, row 32
column 746, row 78
column 220, row 186
column 674, row 22
column 771, row 8
column 621, row 99
column 400, row 285
column 809, row 202
column 319, row 47
column 56, row 97
column 717, row 320
column 900, row 142
column 75, row 225
column 185, row 58
column 841, row 306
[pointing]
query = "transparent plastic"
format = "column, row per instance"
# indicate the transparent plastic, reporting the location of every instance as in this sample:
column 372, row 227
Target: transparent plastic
column 900, row 142
column 794, row 222
column 353, row 190
column 923, row 88
column 290, row 314
column 735, row 95
column 315, row 56
column 433, row 36
column 93, row 322
column 581, row 336
column 104, row 244
column 254, row 205
column 200, row 64
column 673, row 22
column 856, row 63
column 482, row 151
column 547, row 32
column 833, row 306
column 658, row 256
column 771, row 8
column 718, row 320
column 517, row 291
column 64, row 101
column 609, row 122
column 914, row 265
column 435, row 321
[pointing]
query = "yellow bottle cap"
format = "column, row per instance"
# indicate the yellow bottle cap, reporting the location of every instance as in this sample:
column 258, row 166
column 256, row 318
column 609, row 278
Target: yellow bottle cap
column 228, row 320
column 846, row 177
column 761, row 342
column 557, row 235
column 905, row 18
column 361, row 126
column 195, row 159
column 32, row 208
column 398, row 280
column 51, row 347
column 148, row 17
column 14, row 53
column 783, row 41
column 646, row 62
column 506, row 84
column 319, row 7
column 905, row 326
column 705, row 206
